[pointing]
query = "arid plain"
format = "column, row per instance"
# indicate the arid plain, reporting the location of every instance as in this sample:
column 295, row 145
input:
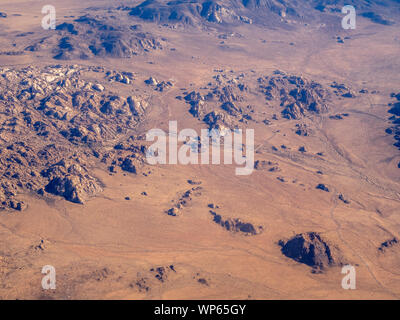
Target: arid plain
column 326, row 172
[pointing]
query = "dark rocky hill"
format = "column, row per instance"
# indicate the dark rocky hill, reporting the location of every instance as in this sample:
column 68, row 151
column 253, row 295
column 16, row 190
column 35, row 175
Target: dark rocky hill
column 87, row 37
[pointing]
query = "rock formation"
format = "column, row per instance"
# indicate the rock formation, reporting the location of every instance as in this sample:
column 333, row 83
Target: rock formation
column 58, row 124
column 311, row 249
column 236, row 225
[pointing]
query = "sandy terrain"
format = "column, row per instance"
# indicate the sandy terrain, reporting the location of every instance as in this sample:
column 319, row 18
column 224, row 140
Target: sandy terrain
column 113, row 248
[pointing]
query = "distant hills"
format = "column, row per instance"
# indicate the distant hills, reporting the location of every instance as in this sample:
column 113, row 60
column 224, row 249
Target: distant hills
column 195, row 12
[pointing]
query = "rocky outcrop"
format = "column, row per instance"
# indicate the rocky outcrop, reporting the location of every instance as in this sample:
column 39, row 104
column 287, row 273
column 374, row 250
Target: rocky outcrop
column 96, row 36
column 188, row 12
column 8, row 196
column 71, row 181
column 184, row 200
column 152, row 278
column 342, row 90
column 264, row 165
column 161, row 273
column 236, row 225
column 343, row 198
column 322, row 187
column 228, row 100
column 266, row 12
column 123, row 77
column 339, row 116
column 388, row 244
column 395, row 109
column 193, row 182
column 395, row 119
column 311, row 249
column 56, row 124
column 220, row 108
column 298, row 96
column 303, row 129
column 137, row 105
column 128, row 165
column 159, row 85
column 218, row 120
